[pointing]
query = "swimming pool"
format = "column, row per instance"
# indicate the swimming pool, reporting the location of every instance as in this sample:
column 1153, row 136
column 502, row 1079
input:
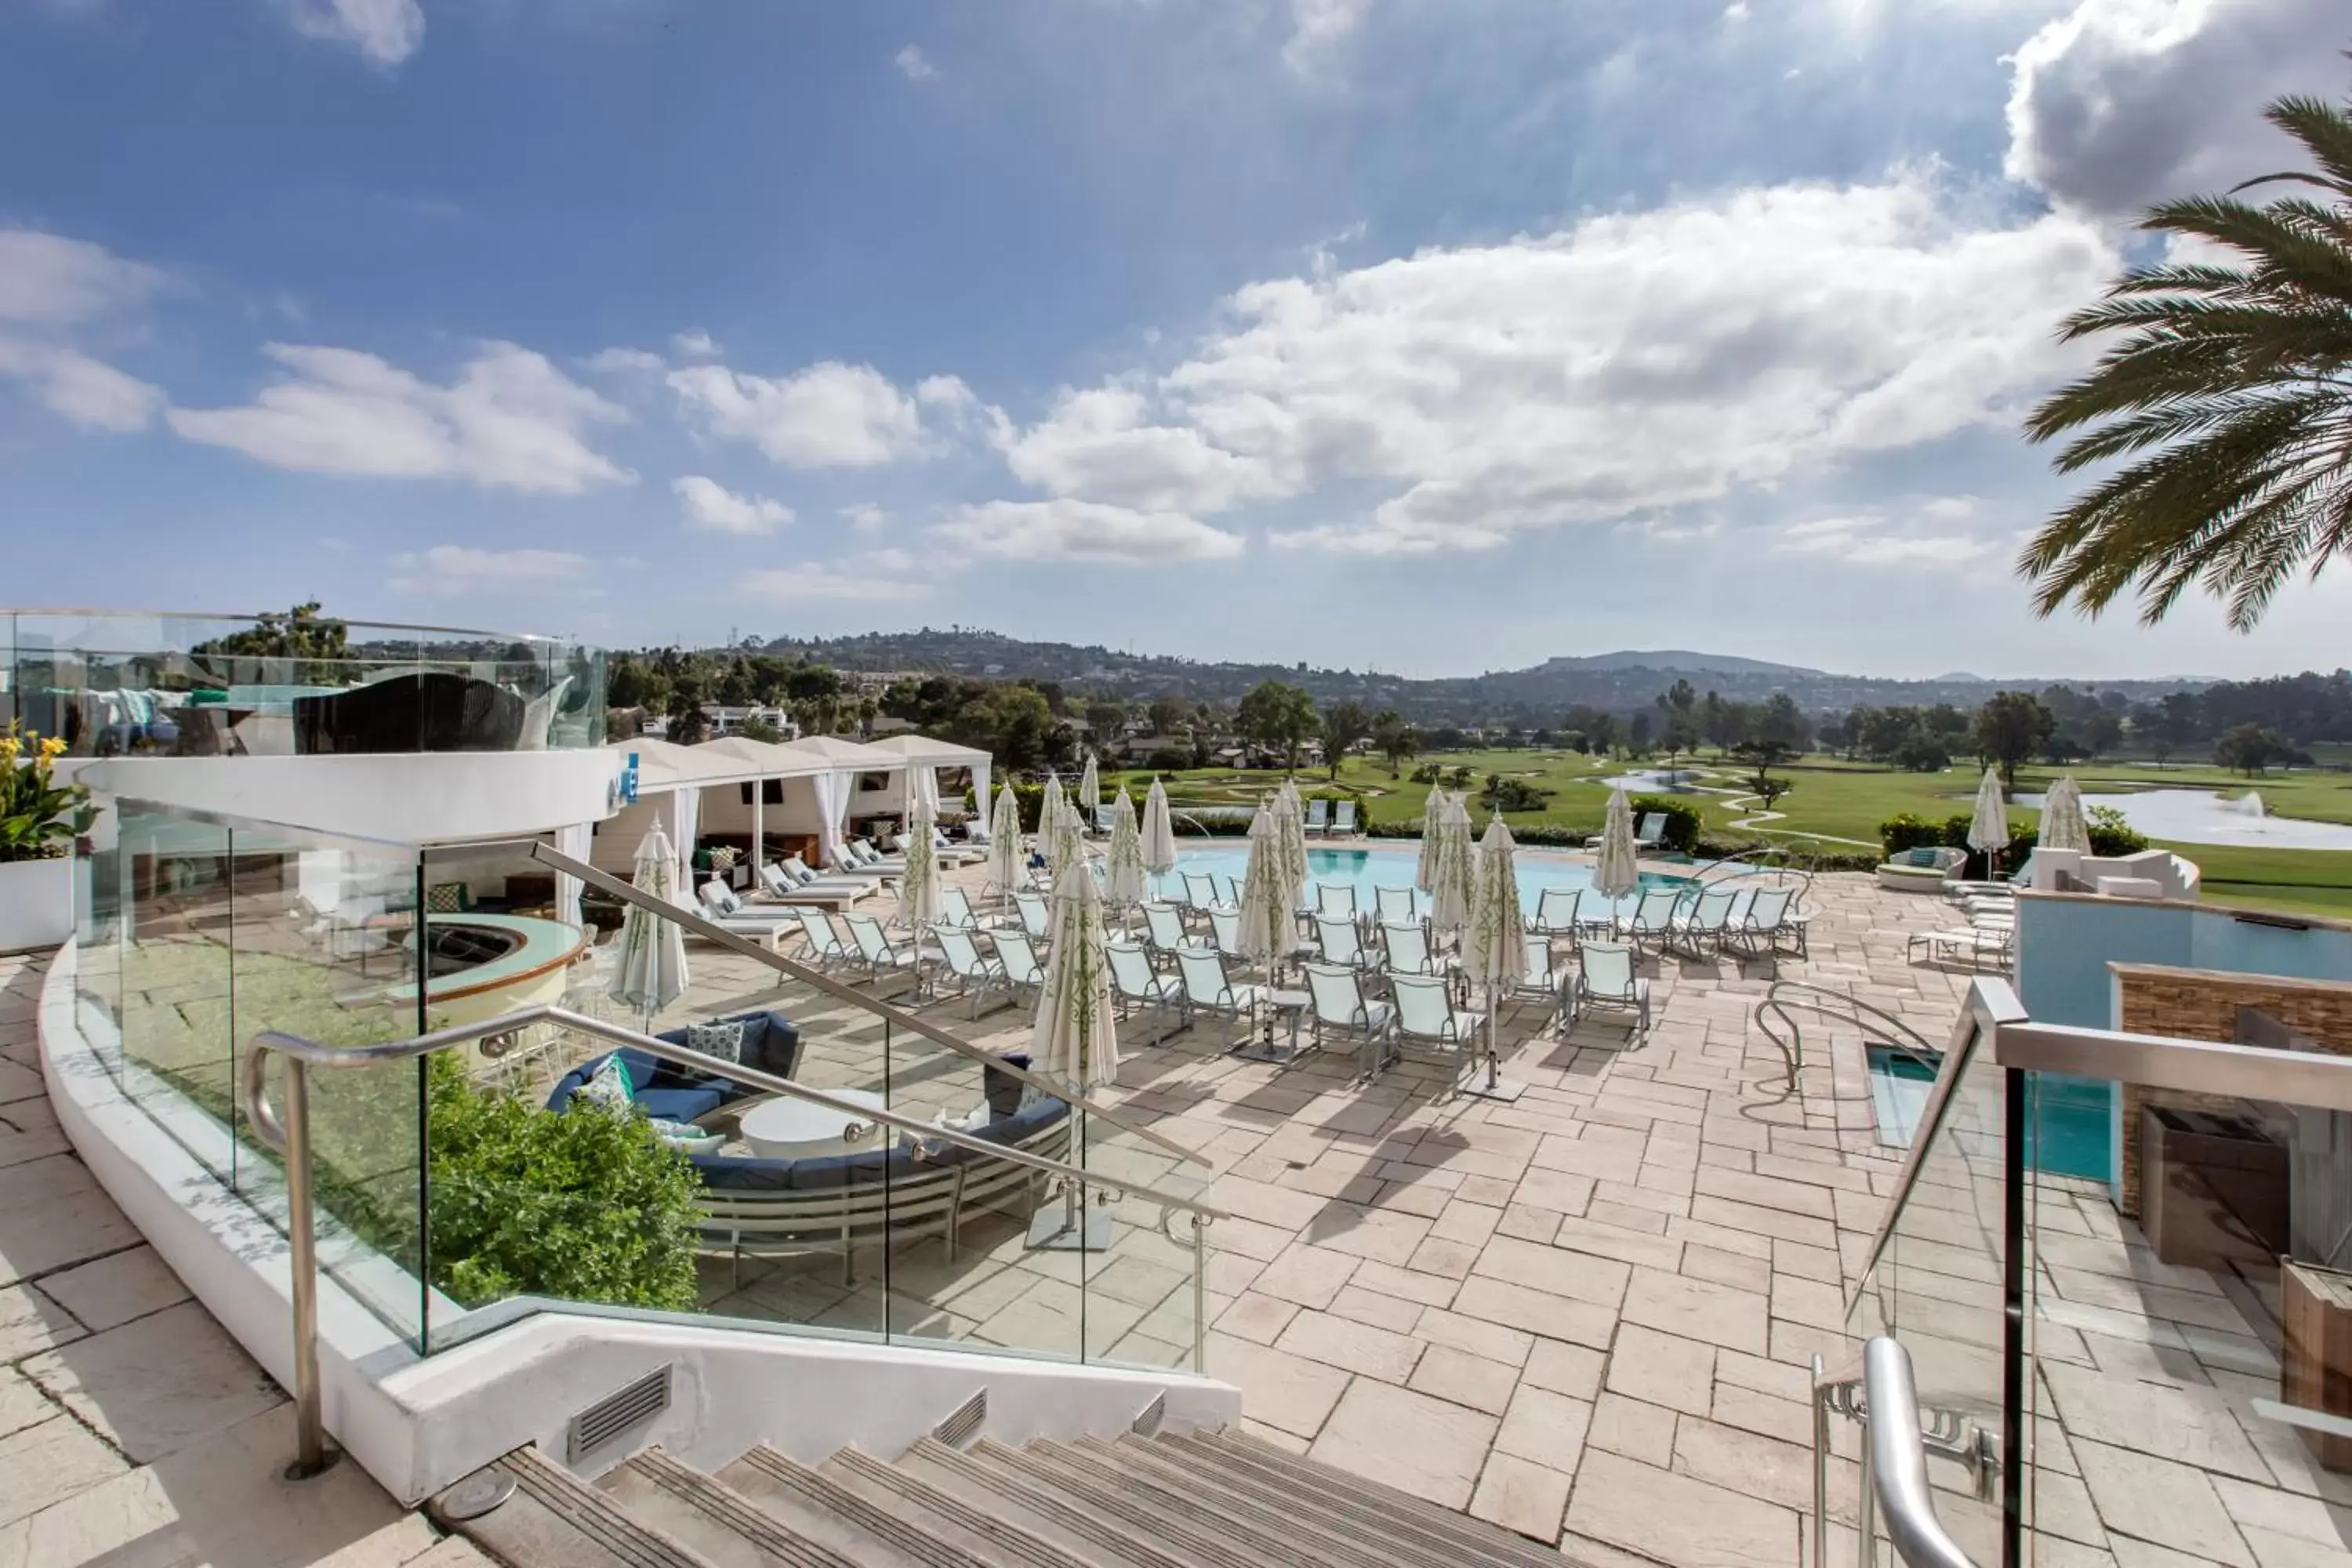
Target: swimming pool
column 1364, row 869
column 2070, row 1127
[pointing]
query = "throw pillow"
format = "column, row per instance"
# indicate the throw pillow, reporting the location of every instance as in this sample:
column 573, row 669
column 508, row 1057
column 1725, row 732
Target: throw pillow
column 686, row 1135
column 1925, row 857
column 724, row 1041
column 609, row 1087
column 723, row 899
column 445, row 899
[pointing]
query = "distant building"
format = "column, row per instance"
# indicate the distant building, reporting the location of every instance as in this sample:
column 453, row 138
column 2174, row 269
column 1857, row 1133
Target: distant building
column 726, row 719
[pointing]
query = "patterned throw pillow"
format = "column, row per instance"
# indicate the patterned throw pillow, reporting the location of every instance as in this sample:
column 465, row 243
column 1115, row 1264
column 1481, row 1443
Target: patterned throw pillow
column 445, row 899
column 609, row 1087
column 686, row 1135
column 724, row 1041
column 1926, row 856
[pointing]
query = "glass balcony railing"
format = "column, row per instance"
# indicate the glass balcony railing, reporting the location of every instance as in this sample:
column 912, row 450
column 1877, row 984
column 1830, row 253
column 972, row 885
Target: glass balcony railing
column 132, row 684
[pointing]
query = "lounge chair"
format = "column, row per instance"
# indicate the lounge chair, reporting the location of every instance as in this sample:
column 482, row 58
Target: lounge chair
column 1544, row 981
column 1703, row 921
column 1336, row 1001
column 1556, row 912
column 1343, row 819
column 795, row 882
column 1036, row 917
column 1133, row 984
column 1758, row 931
column 1336, row 901
column 1925, row 870
column 1395, row 906
column 1018, row 961
column 1605, row 978
column 1200, row 893
column 1164, row 931
column 1225, row 930
column 1652, row 917
column 975, row 975
column 1425, row 1012
column 1974, row 942
column 1319, row 816
column 825, row 948
column 1228, row 891
column 864, row 857
column 1206, row 988
column 721, row 908
column 879, row 955
column 1337, row 941
column 955, row 910
column 1408, row 953
column 1650, row 833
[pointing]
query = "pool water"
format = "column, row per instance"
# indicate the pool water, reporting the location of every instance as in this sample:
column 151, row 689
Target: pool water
column 2069, row 1136
column 1364, row 869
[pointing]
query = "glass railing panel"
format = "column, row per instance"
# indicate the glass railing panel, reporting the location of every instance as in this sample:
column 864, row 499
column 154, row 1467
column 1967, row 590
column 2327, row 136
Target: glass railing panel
column 100, row 907
column 2193, row 1327
column 174, row 1008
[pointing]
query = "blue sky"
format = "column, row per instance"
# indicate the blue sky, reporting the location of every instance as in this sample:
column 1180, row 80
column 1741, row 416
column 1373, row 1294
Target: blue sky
column 1439, row 335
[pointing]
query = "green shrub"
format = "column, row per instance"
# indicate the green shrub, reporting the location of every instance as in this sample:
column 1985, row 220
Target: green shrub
column 1901, row 834
column 1683, row 819
column 580, row 1204
column 2110, row 834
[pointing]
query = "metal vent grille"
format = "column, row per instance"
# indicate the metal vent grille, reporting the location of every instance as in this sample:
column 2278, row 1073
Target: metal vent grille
column 616, row 1413
column 964, row 1422
column 1148, row 1423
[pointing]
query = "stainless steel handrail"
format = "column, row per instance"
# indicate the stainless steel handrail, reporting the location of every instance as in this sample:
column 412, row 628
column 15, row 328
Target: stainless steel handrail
column 898, row 1018
column 1895, row 1465
column 2310, row 1078
column 291, row 1139
column 1793, row 1050
column 1991, row 1009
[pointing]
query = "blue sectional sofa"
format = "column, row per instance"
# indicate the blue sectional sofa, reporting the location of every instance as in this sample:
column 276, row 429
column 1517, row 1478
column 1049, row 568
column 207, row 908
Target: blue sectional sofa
column 667, row 1092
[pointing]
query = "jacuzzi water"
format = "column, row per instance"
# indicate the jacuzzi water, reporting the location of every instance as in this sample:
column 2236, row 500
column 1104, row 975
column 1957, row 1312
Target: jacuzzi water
column 2070, row 1132
column 2206, row 816
column 1365, row 869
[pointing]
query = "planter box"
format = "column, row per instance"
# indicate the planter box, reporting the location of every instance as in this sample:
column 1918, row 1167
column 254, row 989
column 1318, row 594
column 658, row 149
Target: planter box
column 36, row 903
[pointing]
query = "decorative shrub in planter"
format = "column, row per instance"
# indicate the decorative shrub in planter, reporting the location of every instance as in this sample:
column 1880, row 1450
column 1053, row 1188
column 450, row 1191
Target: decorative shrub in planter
column 39, row 821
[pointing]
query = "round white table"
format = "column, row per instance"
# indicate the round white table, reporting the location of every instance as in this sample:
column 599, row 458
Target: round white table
column 788, row 1128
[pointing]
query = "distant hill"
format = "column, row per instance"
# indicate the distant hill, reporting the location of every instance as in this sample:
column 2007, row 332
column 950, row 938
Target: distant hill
column 1623, row 682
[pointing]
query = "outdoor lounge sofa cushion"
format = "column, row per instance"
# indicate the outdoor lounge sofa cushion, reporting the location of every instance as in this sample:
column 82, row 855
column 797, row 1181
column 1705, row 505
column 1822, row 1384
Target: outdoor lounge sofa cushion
column 669, row 1092
column 738, row 1174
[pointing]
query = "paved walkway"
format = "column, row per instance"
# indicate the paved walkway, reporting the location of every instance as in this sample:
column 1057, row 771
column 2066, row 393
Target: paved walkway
column 133, row 1431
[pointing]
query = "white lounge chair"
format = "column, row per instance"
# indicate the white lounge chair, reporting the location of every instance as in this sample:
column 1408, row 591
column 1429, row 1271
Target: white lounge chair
column 1207, row 989
column 1425, row 1012
column 1544, row 981
column 955, row 910
column 1556, row 912
column 1702, row 922
column 1336, row 901
column 1336, row 940
column 1343, row 819
column 778, row 886
column 825, row 948
column 1164, row 931
column 1409, row 951
column 1319, row 816
column 721, row 908
column 1650, row 833
column 1652, row 918
column 1974, row 941
column 1037, row 916
column 880, row 955
column 1018, row 961
column 1336, row 1001
column 975, row 975
column 1396, row 906
column 1134, row 985
column 1605, row 978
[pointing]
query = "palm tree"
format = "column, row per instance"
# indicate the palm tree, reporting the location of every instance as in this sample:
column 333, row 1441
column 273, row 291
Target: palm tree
column 2230, row 401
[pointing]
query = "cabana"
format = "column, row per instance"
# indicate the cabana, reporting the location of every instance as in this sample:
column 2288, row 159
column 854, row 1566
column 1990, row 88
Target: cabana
column 944, row 758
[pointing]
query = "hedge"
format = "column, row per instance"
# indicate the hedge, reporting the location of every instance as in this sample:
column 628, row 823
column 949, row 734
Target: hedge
column 2110, row 835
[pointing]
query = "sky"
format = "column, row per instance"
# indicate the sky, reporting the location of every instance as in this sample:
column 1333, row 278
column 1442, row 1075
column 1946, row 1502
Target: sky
column 1429, row 335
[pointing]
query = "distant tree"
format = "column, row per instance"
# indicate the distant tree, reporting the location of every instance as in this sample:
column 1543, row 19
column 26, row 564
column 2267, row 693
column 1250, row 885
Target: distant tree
column 2010, row 728
column 736, row 687
column 1638, row 736
column 1344, row 724
column 630, row 682
column 1105, row 717
column 869, row 708
column 299, row 633
column 2248, row 749
column 2100, row 732
column 1781, row 723
column 1677, row 720
column 1920, row 751
column 759, row 728
column 815, row 691
column 1279, row 718
column 1397, row 739
column 688, row 725
column 1168, row 715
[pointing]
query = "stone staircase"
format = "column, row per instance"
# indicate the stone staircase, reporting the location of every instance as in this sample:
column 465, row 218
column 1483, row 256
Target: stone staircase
column 1199, row 1500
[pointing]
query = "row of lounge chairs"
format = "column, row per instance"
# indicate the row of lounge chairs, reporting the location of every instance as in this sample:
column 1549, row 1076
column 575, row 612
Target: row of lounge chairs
column 1330, row 821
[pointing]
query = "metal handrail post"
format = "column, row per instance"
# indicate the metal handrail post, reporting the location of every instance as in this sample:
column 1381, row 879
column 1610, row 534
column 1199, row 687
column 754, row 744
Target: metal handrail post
column 311, row 1452
column 1199, row 1296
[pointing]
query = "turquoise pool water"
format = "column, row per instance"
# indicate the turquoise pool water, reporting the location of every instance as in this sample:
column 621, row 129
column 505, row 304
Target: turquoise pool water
column 1364, row 869
column 2069, row 1133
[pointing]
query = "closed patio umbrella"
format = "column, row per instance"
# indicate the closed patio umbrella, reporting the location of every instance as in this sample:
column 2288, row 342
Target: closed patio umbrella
column 1451, row 873
column 1618, row 870
column 1089, row 793
column 1989, row 827
column 1005, row 858
column 1263, row 934
column 918, row 885
column 1159, row 832
column 1075, row 1038
column 1126, row 879
column 1493, row 953
column 2062, row 827
column 1050, row 810
column 1292, row 819
column 649, row 972
column 1433, row 822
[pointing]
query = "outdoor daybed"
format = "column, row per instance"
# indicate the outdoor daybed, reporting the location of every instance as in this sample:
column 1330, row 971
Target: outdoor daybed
column 1922, row 870
column 915, row 1188
column 669, row 1092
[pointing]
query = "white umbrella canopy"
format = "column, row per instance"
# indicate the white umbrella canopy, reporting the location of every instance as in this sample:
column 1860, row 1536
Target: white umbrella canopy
column 1075, row 1037
column 1492, row 952
column 1005, row 858
column 1050, row 809
column 1618, row 870
column 1089, row 791
column 1432, row 824
column 1291, row 818
column 1266, row 907
column 1989, row 828
column 2062, row 827
column 1126, row 880
column 918, row 885
column 1159, row 832
column 650, row 971
column 923, row 791
column 1453, row 874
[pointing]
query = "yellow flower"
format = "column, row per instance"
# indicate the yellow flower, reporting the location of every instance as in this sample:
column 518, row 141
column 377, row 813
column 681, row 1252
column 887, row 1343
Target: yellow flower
column 55, row 746
column 9, row 747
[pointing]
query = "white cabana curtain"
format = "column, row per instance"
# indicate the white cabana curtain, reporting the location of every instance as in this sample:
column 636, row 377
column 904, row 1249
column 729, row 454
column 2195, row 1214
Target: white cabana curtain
column 832, row 806
column 577, row 840
column 980, row 772
column 685, row 816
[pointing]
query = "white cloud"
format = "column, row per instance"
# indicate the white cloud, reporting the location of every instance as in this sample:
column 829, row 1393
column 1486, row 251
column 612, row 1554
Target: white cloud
column 1626, row 366
column 1863, row 540
column 625, row 362
column 385, row 32
column 510, row 420
column 694, row 345
column 828, row 415
column 1065, row 530
column 1319, row 29
column 708, row 504
column 1099, row 444
column 51, row 289
column 454, row 569
column 889, row 559
column 865, row 517
column 914, row 65
column 812, row 581
column 2122, row 103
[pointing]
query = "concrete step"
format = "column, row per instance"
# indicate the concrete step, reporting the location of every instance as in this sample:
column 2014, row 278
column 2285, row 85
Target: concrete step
column 1393, row 1509
column 1152, row 1510
column 554, row 1519
column 988, row 1536
column 1040, row 1510
column 727, row 1528
column 1245, row 1497
column 1184, row 1539
column 887, row 1536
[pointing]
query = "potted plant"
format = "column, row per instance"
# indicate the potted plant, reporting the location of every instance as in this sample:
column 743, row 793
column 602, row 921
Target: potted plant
column 39, row 821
